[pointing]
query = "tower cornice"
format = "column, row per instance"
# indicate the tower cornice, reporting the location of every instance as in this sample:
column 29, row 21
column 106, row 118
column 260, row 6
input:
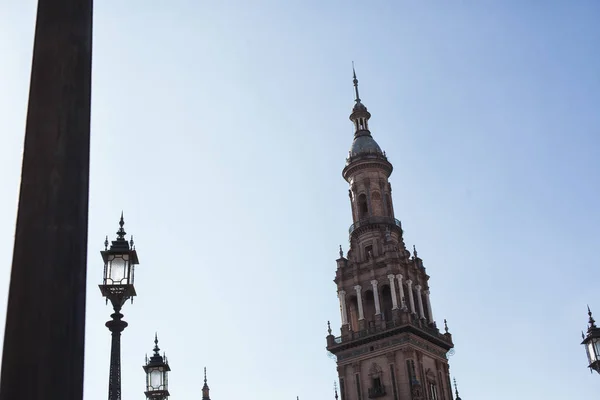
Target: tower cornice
column 361, row 162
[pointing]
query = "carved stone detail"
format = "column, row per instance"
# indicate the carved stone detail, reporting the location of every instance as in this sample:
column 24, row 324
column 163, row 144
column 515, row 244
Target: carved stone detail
column 391, row 357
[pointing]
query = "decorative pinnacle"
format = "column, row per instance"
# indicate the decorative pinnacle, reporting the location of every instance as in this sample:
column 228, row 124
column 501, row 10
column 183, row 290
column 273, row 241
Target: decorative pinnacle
column 121, row 232
column 156, row 349
column 591, row 321
column 205, row 375
column 445, row 325
column 131, row 243
column 456, row 388
column 106, row 243
column 335, row 390
column 341, row 251
column 415, row 251
column 328, row 327
column 355, row 81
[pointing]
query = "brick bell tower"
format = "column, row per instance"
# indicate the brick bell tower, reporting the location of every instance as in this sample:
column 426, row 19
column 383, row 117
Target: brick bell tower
column 390, row 346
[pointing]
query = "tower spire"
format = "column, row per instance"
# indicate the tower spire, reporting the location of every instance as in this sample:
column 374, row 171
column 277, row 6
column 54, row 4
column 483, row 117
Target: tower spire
column 355, row 81
column 360, row 116
column 205, row 389
column 456, row 390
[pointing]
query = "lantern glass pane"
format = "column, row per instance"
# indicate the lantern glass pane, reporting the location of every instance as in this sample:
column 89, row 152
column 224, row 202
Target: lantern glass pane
column 591, row 348
column 117, row 270
column 596, row 346
column 156, row 379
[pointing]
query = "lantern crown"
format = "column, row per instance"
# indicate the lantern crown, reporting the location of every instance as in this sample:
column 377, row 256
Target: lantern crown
column 591, row 320
column 120, row 243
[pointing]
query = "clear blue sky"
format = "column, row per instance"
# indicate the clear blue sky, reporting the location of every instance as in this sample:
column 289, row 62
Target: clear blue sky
column 221, row 129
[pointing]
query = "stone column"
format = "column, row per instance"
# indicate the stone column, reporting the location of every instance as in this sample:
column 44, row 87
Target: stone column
column 393, row 289
column 411, row 298
column 361, row 315
column 420, row 301
column 428, row 303
column 401, row 287
column 342, row 297
column 376, row 297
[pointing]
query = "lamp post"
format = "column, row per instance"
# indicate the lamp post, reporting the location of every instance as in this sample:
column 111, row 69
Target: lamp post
column 119, row 262
column 591, row 341
column 157, row 375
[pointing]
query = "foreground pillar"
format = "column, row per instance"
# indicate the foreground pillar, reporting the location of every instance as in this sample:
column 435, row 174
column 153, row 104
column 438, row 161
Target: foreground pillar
column 45, row 323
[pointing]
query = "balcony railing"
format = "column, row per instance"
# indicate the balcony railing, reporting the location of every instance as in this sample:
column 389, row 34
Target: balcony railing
column 377, row 391
column 374, row 220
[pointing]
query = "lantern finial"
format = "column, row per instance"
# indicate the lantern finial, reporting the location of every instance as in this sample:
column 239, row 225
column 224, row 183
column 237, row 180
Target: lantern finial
column 156, row 348
column 205, row 375
column 591, row 321
column 121, row 232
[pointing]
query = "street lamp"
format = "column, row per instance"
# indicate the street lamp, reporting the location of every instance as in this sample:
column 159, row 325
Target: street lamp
column 119, row 262
column 592, row 344
column 157, row 375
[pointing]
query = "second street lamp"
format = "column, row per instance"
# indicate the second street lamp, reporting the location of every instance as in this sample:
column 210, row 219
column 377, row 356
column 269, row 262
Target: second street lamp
column 157, row 375
column 119, row 262
column 591, row 341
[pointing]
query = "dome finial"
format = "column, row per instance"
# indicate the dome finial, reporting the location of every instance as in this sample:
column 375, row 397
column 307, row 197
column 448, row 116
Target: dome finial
column 355, row 81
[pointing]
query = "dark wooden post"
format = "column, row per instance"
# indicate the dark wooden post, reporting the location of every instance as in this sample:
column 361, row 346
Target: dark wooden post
column 45, row 323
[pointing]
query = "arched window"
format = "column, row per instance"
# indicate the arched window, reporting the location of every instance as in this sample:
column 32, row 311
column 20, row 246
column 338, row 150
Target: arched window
column 386, row 303
column 353, row 313
column 369, row 307
column 376, row 204
column 363, row 208
column 388, row 202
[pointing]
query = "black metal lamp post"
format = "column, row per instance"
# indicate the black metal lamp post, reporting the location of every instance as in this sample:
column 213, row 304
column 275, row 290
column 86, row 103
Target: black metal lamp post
column 591, row 341
column 157, row 375
column 119, row 262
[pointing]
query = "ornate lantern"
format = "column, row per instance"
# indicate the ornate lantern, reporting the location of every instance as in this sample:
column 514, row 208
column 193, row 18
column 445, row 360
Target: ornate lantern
column 119, row 262
column 157, row 375
column 591, row 341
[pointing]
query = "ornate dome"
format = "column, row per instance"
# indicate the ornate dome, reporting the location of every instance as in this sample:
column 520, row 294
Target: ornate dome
column 364, row 144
